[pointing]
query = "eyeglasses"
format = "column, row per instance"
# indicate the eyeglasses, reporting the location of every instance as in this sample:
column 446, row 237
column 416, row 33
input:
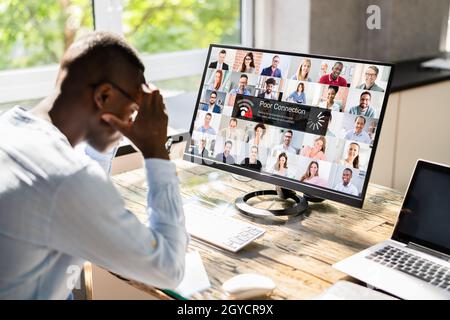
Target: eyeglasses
column 123, row 92
column 370, row 74
column 115, row 86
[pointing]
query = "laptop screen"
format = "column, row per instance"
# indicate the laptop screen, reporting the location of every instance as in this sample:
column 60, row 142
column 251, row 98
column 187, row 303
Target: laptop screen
column 425, row 215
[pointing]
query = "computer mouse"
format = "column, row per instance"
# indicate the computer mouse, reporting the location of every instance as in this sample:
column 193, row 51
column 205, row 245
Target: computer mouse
column 248, row 285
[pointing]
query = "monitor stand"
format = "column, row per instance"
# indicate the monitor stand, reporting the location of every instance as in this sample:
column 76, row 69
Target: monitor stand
column 300, row 206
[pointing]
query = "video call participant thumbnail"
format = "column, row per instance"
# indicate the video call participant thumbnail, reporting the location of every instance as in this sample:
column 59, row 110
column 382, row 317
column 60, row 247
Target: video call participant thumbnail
column 200, row 150
column 232, row 132
column 298, row 96
column 273, row 70
column 268, row 90
column 371, row 75
column 334, row 77
column 317, row 151
column 217, row 81
column 220, row 64
column 212, row 106
column 303, row 71
column 364, row 108
column 286, row 145
column 358, row 134
column 346, row 186
column 226, row 156
column 252, row 161
column 258, row 134
column 330, row 103
column 281, row 166
column 248, row 63
column 312, row 175
column 242, row 86
column 206, row 127
column 352, row 158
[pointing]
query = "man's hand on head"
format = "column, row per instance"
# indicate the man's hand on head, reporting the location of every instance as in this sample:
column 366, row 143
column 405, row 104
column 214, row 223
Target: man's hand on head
column 148, row 131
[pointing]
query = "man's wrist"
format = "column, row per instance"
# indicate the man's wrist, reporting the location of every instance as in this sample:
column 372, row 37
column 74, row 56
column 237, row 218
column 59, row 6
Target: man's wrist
column 160, row 153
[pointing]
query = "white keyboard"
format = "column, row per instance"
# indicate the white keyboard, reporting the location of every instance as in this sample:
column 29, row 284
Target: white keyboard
column 223, row 231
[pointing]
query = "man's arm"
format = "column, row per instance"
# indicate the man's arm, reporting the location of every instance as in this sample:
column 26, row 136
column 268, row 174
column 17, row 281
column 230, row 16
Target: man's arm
column 89, row 221
column 157, row 255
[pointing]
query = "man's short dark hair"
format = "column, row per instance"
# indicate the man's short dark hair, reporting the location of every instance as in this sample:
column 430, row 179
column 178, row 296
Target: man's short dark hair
column 366, row 92
column 233, row 119
column 338, row 62
column 349, row 170
column 335, row 88
column 213, row 92
column 271, row 81
column 374, row 68
column 228, row 142
column 290, row 131
column 95, row 55
column 222, row 51
column 208, row 114
column 244, row 76
column 356, row 119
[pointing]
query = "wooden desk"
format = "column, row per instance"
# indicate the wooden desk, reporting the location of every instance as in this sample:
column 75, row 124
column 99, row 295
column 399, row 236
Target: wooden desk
column 297, row 253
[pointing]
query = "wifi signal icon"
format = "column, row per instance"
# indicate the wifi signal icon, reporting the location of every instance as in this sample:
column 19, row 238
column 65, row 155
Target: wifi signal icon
column 317, row 123
column 245, row 108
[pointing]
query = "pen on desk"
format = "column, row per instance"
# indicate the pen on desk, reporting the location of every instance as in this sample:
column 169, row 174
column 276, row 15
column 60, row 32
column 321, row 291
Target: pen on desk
column 174, row 294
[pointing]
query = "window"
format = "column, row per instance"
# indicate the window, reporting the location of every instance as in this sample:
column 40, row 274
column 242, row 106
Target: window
column 155, row 26
column 36, row 33
column 171, row 34
column 448, row 33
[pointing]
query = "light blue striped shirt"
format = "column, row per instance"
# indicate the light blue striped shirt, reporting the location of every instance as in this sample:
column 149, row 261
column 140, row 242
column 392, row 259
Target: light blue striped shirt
column 358, row 137
column 59, row 209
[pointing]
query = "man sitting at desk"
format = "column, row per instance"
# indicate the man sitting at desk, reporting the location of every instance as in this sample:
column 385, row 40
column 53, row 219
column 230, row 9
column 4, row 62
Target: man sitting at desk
column 371, row 75
column 60, row 209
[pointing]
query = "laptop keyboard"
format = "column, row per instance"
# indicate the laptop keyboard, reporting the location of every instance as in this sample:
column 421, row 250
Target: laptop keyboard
column 395, row 258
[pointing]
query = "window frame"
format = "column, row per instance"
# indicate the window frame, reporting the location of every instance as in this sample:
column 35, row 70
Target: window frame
column 38, row 82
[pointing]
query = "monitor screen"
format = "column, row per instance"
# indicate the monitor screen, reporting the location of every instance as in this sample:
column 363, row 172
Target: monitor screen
column 425, row 215
column 304, row 122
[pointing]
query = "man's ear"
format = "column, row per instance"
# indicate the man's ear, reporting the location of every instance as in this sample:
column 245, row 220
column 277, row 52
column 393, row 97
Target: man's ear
column 102, row 94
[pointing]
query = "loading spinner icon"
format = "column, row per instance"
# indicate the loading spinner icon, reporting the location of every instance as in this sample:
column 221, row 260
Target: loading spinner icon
column 316, row 123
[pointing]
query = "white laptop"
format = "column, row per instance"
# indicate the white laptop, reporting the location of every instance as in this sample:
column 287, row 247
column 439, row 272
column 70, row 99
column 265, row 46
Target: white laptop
column 415, row 262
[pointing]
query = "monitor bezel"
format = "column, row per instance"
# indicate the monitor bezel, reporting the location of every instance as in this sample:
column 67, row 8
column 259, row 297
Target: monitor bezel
column 406, row 238
column 302, row 187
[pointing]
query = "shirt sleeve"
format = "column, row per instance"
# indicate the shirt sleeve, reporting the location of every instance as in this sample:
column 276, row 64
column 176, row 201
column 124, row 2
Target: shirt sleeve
column 89, row 221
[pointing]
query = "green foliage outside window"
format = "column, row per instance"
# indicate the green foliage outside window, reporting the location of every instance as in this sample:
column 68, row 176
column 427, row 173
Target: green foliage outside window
column 36, row 32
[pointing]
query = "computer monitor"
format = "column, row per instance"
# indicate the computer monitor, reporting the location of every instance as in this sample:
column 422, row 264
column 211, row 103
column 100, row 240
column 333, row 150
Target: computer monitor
column 302, row 122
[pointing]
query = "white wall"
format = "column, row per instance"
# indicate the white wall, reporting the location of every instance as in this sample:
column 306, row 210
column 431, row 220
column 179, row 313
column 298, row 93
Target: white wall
column 282, row 25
